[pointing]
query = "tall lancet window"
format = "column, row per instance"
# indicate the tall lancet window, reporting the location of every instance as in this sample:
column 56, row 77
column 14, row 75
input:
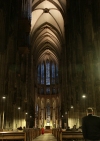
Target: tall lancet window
column 47, row 73
column 57, row 79
column 42, row 73
column 53, row 73
column 39, row 74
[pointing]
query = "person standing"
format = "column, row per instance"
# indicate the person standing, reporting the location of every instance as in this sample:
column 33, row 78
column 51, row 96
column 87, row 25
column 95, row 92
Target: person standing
column 91, row 126
column 42, row 130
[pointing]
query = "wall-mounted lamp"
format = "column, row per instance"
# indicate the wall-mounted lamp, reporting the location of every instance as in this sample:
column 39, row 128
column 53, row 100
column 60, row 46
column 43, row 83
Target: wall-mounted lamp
column 19, row 108
column 83, row 96
column 72, row 107
column 3, row 97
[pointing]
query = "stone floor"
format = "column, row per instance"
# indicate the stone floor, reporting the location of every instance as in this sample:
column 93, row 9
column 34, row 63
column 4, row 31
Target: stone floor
column 45, row 137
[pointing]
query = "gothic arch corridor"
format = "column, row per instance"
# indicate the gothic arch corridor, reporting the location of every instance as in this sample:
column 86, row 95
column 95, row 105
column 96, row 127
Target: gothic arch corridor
column 49, row 62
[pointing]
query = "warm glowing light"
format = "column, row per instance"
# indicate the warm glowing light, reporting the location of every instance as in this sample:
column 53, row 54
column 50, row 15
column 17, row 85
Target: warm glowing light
column 84, row 96
column 18, row 108
column 72, row 107
column 4, row 97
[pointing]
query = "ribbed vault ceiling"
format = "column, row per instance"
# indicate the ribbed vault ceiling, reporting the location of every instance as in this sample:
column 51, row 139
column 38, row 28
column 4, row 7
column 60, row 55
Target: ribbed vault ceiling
column 47, row 29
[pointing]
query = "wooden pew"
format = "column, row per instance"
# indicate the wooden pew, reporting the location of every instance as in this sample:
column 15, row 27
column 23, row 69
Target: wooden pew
column 71, row 135
column 67, row 135
column 32, row 133
column 13, row 135
column 28, row 134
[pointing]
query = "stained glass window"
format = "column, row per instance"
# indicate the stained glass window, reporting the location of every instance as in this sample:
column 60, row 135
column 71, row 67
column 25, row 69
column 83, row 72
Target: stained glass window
column 47, row 73
column 57, row 80
column 42, row 73
column 39, row 74
column 47, row 90
column 53, row 73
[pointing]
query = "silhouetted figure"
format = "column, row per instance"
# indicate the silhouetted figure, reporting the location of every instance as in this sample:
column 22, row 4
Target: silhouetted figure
column 80, row 129
column 20, row 128
column 68, row 129
column 91, row 126
column 74, row 128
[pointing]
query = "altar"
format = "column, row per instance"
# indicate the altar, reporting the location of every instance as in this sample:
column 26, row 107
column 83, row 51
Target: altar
column 47, row 127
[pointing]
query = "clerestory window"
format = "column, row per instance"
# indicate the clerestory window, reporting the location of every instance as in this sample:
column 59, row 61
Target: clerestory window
column 47, row 77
